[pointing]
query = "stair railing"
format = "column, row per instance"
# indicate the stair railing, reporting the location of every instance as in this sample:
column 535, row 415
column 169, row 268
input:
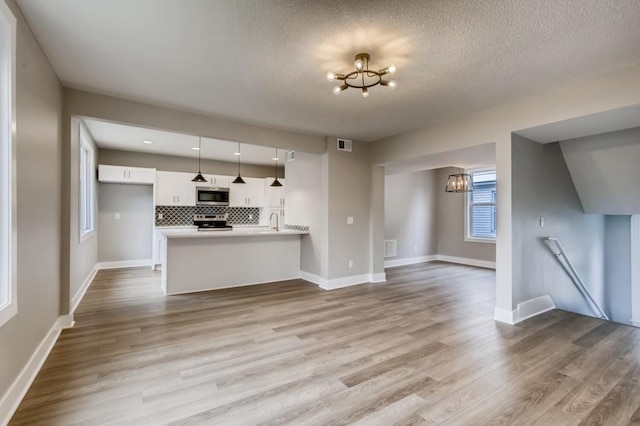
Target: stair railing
column 575, row 277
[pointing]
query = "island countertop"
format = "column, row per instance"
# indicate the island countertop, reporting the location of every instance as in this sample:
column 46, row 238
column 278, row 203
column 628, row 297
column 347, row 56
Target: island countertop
column 236, row 232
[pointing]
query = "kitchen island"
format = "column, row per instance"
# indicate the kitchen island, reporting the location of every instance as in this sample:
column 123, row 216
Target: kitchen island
column 195, row 260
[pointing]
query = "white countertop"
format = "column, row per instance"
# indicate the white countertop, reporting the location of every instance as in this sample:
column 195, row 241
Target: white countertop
column 236, row 232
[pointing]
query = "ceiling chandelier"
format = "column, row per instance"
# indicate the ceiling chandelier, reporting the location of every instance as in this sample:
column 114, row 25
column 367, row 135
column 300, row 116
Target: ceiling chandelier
column 362, row 77
column 459, row 182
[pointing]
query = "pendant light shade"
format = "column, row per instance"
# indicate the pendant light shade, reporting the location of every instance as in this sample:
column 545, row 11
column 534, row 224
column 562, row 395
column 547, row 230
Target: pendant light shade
column 459, row 182
column 276, row 182
column 199, row 177
column 239, row 178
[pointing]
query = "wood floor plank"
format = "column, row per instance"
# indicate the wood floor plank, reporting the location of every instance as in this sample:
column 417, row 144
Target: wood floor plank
column 421, row 349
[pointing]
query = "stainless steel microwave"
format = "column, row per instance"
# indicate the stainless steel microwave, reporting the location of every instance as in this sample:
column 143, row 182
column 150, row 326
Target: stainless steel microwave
column 207, row 196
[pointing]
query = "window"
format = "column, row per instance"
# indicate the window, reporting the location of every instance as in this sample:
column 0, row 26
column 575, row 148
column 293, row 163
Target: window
column 87, row 186
column 481, row 207
column 8, row 281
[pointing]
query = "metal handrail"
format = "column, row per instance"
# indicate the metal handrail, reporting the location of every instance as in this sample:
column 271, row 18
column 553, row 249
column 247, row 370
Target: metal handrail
column 577, row 281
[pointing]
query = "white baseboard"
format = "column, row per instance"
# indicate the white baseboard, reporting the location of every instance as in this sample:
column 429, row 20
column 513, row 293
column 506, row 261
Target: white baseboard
column 18, row 389
column 525, row 310
column 380, row 277
column 313, row 278
column 344, row 281
column 75, row 300
column 408, row 261
column 125, row 264
column 635, row 323
column 466, row 261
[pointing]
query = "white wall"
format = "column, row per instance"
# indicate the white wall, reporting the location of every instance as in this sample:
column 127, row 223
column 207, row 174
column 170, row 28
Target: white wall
column 130, row 237
column 38, row 168
column 410, row 211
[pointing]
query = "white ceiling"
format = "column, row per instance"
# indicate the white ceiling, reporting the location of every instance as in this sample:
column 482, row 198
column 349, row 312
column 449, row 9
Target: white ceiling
column 129, row 138
column 265, row 61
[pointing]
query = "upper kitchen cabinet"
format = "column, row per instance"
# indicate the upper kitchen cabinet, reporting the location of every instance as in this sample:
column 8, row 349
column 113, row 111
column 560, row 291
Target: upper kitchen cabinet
column 130, row 175
column 249, row 194
column 216, row 181
column 274, row 194
column 175, row 189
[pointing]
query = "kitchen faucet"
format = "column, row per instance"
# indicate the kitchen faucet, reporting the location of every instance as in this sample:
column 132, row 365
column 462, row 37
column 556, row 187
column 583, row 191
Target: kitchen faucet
column 277, row 221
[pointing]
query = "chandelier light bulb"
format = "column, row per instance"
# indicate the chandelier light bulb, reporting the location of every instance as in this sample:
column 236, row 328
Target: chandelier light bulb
column 362, row 77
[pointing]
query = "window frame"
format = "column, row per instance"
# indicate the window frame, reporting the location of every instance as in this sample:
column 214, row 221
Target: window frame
column 8, row 204
column 86, row 185
column 467, row 211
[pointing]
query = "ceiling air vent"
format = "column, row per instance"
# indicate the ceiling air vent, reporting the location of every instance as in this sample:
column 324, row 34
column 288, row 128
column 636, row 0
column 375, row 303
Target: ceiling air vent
column 344, row 144
column 291, row 155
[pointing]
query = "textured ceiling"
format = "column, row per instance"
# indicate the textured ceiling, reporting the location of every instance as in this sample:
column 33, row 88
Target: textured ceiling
column 264, row 61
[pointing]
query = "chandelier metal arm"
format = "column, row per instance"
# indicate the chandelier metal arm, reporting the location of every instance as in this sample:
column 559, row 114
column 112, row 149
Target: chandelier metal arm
column 362, row 77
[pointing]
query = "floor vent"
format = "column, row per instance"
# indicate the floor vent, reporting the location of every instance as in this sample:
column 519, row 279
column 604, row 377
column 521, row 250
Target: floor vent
column 390, row 248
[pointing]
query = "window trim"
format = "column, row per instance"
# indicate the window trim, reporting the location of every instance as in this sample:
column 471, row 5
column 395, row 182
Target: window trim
column 467, row 216
column 8, row 215
column 85, row 143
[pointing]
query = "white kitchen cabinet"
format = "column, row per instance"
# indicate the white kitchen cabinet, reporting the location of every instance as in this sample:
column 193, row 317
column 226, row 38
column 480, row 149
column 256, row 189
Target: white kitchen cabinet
column 249, row 194
column 175, row 189
column 130, row 175
column 216, row 181
column 274, row 194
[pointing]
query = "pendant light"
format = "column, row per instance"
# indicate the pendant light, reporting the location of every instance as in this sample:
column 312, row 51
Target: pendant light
column 199, row 177
column 276, row 182
column 459, row 182
column 239, row 178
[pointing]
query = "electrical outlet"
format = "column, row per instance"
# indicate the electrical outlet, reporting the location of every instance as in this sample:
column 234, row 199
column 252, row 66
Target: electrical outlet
column 160, row 216
column 351, row 264
column 415, row 248
column 541, row 221
column 350, row 220
column 250, row 216
column 117, row 216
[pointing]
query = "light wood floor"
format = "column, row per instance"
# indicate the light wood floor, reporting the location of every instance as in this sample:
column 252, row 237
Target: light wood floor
column 420, row 349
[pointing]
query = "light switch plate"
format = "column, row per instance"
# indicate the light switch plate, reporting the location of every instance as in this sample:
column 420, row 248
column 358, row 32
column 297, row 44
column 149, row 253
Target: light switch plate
column 350, row 220
column 117, row 216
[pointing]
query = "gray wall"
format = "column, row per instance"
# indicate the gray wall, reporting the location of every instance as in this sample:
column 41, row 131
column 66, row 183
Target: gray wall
column 130, row 237
column 605, row 171
column 542, row 186
column 450, row 225
column 617, row 252
column 410, row 213
column 39, row 152
column 349, row 183
column 304, row 198
column 183, row 164
column 83, row 254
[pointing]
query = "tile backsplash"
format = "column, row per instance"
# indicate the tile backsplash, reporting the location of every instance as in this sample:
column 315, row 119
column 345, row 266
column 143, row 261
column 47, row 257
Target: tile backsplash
column 183, row 215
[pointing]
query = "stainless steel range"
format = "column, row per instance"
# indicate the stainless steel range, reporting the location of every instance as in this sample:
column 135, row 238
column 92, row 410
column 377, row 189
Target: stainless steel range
column 212, row 222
